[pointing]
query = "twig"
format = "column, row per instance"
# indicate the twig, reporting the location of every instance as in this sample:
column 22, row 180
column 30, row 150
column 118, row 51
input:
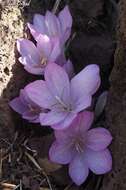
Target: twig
column 67, row 187
column 7, row 185
column 39, row 168
column 17, row 186
column 20, row 185
column 56, row 5
column 28, row 148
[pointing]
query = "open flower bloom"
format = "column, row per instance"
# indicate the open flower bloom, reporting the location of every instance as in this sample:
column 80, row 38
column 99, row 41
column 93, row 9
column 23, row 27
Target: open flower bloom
column 35, row 58
column 64, row 98
column 52, row 25
column 82, row 148
column 24, row 106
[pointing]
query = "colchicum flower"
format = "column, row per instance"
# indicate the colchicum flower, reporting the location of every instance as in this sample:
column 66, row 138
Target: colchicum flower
column 35, row 58
column 82, row 148
column 24, row 106
column 64, row 98
column 52, row 25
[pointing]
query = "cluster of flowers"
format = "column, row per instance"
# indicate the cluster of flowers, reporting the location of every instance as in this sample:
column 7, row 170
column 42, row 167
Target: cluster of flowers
column 62, row 98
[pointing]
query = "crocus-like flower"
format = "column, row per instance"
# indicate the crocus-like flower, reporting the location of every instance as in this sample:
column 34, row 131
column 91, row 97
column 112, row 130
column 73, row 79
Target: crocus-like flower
column 24, row 106
column 52, row 25
column 35, row 58
column 82, row 149
column 64, row 98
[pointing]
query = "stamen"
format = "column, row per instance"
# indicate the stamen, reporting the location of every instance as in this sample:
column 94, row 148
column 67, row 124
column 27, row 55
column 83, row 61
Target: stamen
column 64, row 106
column 78, row 147
column 43, row 61
column 79, row 144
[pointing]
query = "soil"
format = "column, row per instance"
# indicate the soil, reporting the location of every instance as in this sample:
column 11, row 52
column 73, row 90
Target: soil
column 24, row 147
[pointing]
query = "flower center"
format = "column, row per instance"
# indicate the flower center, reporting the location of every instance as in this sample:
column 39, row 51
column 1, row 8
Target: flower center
column 64, row 106
column 78, row 143
column 79, row 146
column 43, row 61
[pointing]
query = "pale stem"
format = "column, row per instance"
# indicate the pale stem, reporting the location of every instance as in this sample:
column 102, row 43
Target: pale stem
column 56, row 5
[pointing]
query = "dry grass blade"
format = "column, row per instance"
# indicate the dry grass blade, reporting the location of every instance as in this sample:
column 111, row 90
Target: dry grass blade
column 39, row 168
column 56, row 5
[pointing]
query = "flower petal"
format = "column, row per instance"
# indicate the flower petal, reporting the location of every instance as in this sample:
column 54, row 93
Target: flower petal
column 30, row 116
column 35, row 33
column 65, row 19
column 81, row 123
column 56, row 51
column 60, row 153
column 66, row 133
column 65, row 36
column 61, row 60
column 44, row 45
column 68, row 66
column 100, row 162
column 17, row 105
column 26, row 47
column 85, row 120
column 78, row 169
column 58, row 82
column 81, row 102
column 38, row 93
column 28, row 60
column 87, row 81
column 39, row 23
column 33, row 70
column 66, row 122
column 51, row 24
column 31, row 66
column 52, row 117
column 98, row 139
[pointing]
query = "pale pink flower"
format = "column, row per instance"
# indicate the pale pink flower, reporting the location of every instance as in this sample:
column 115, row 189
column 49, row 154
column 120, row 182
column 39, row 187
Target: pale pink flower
column 36, row 57
column 52, row 25
column 24, row 106
column 82, row 148
column 64, row 98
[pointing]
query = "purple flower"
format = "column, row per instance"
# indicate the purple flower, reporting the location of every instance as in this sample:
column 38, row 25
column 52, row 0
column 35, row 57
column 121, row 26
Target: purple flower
column 35, row 58
column 64, row 98
column 82, row 149
column 52, row 25
column 24, row 106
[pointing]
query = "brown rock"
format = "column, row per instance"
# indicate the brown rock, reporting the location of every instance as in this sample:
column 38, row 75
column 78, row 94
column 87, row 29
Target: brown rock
column 116, row 110
column 12, row 76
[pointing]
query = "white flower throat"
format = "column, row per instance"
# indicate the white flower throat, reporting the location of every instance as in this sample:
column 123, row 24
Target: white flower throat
column 64, row 106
